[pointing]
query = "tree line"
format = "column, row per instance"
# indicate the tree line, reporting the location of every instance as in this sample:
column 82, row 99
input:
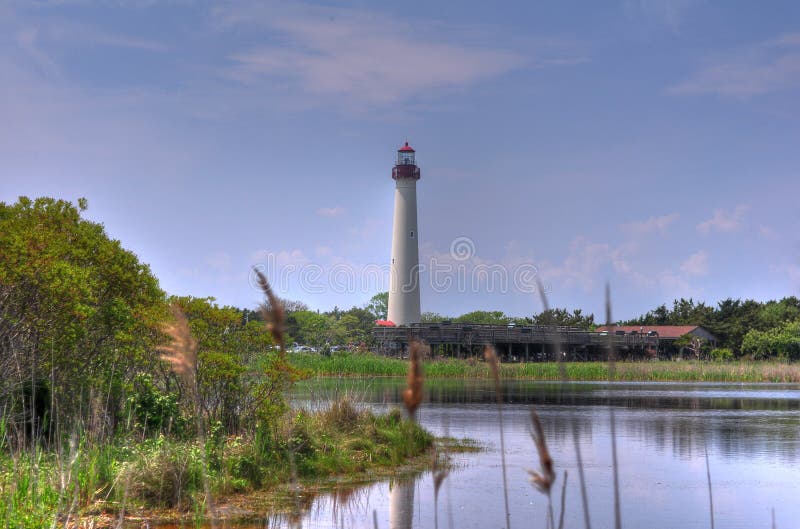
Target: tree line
column 82, row 327
column 748, row 328
column 744, row 328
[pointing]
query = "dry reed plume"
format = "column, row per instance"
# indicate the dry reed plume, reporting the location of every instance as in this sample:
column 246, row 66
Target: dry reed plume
column 181, row 352
column 544, row 479
column 412, row 395
column 490, row 355
column 274, row 315
column 273, row 312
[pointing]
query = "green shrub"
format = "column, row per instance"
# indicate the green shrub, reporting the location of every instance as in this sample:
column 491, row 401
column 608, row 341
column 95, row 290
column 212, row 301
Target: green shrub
column 164, row 474
column 782, row 342
column 722, row 354
column 153, row 411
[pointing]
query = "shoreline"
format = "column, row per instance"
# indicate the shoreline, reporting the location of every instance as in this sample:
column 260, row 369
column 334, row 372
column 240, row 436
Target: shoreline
column 163, row 478
column 284, row 499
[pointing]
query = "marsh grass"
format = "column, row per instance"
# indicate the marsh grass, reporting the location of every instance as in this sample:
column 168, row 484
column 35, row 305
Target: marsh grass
column 664, row 371
column 163, row 473
column 67, row 485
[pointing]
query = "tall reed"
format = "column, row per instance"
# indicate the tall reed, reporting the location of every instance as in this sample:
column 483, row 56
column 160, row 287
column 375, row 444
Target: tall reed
column 412, row 395
column 181, row 355
column 490, row 355
column 612, row 359
column 544, row 478
column 575, row 434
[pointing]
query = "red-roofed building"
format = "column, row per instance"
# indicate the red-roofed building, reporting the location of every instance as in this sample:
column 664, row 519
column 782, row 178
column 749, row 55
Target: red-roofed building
column 664, row 332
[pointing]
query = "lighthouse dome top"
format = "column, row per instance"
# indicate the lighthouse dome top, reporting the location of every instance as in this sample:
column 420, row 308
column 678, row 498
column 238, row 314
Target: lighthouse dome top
column 406, row 165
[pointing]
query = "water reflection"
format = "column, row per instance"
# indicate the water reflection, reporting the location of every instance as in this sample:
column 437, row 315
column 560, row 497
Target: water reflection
column 751, row 432
column 401, row 504
column 736, row 419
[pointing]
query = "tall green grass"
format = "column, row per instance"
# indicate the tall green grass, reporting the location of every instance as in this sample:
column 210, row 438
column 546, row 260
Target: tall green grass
column 39, row 489
column 683, row 371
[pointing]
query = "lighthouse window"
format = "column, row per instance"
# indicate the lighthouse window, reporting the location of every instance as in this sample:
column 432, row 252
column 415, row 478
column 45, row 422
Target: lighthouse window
column 405, row 158
column 411, row 234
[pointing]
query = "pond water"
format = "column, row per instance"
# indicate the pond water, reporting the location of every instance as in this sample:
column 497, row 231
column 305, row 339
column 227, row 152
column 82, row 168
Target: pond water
column 663, row 431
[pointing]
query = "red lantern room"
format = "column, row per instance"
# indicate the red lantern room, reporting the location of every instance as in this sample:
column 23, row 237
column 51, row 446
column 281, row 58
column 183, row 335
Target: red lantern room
column 406, row 166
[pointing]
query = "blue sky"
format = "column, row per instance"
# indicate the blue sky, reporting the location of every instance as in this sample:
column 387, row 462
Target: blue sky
column 652, row 144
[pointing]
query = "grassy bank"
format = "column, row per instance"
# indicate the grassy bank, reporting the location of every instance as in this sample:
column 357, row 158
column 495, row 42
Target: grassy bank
column 688, row 371
column 171, row 475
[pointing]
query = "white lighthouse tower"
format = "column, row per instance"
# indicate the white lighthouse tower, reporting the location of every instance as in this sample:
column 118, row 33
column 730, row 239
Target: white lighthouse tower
column 404, row 272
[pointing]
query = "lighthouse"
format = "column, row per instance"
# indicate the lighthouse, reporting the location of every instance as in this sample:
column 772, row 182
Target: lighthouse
column 404, row 271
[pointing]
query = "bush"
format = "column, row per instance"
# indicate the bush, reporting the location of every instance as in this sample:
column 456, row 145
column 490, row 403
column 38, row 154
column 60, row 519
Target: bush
column 164, row 473
column 782, row 342
column 722, row 354
column 154, row 411
column 342, row 415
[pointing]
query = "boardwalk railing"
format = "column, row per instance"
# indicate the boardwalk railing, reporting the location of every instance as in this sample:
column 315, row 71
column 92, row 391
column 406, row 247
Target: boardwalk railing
column 479, row 334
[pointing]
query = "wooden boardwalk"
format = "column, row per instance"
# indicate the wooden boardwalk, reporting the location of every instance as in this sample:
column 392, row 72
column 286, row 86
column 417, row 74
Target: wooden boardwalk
column 513, row 342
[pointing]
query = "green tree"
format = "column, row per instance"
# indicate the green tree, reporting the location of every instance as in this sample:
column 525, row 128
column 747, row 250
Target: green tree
column 433, row 317
column 563, row 317
column 240, row 379
column 782, row 342
column 378, row 305
column 495, row 317
column 309, row 327
column 79, row 317
column 359, row 323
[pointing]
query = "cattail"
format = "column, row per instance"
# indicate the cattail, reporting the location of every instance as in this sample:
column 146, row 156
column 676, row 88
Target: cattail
column 272, row 310
column 412, row 395
column 181, row 353
column 563, row 501
column 490, row 355
column 544, row 479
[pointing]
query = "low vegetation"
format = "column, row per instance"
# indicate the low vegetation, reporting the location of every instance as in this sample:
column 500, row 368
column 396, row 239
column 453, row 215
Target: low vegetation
column 347, row 364
column 168, row 473
column 116, row 396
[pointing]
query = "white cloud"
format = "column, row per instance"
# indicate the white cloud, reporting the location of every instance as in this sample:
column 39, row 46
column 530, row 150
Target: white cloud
column 322, row 250
column 583, row 265
column 761, row 68
column 696, row 264
column 294, row 257
column 676, row 285
column 335, row 211
column 767, row 233
column 724, row 221
column 793, row 272
column 220, row 261
column 668, row 12
column 650, row 225
column 369, row 58
column 370, row 228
